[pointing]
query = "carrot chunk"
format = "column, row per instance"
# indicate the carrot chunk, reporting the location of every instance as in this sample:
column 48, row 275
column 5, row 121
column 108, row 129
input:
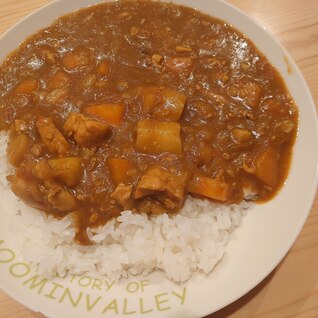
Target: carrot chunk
column 103, row 68
column 210, row 188
column 77, row 58
column 267, row 166
column 60, row 79
column 27, row 86
column 111, row 113
column 121, row 170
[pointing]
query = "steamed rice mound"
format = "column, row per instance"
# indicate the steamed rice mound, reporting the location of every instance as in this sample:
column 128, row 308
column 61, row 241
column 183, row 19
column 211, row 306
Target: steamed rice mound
column 192, row 240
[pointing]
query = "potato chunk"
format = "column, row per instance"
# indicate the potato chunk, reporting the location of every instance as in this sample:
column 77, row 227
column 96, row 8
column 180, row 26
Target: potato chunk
column 163, row 103
column 17, row 148
column 85, row 130
column 66, row 170
column 267, row 166
column 154, row 137
column 53, row 140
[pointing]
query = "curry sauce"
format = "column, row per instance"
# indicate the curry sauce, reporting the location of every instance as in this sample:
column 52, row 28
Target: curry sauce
column 135, row 105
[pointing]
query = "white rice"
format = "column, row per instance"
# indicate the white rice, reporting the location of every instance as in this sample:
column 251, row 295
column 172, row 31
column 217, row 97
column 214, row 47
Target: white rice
column 192, row 240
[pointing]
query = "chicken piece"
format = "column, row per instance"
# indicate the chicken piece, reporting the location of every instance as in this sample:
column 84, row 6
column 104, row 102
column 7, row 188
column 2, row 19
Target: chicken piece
column 148, row 205
column 169, row 187
column 29, row 192
column 199, row 112
column 25, row 186
column 85, row 130
column 122, row 85
column 221, row 76
column 18, row 144
column 20, row 126
column 201, row 155
column 42, row 171
column 249, row 92
column 213, row 62
column 274, row 106
column 156, row 59
column 37, row 150
column 61, row 199
column 219, row 67
column 49, row 55
column 53, row 140
column 123, row 195
column 57, row 96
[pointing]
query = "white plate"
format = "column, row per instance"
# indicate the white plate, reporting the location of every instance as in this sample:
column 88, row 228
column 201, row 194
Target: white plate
column 255, row 249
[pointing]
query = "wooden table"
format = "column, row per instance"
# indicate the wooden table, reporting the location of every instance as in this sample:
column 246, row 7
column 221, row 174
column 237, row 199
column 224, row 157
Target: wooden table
column 292, row 289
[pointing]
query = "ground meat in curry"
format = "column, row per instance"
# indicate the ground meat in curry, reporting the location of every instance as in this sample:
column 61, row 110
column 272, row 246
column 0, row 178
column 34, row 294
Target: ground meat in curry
column 136, row 104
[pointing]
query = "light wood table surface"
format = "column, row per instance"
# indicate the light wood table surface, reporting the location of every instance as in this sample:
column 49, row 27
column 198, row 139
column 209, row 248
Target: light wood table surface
column 292, row 289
